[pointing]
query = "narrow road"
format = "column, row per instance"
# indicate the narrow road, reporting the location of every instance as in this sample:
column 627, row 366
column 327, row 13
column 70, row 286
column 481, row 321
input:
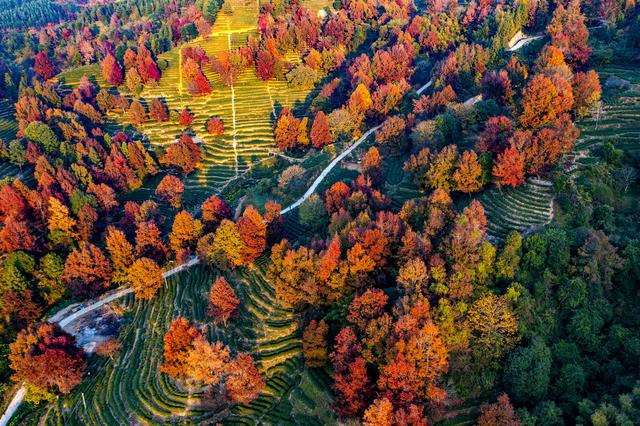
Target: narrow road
column 74, row 316
column 425, row 87
column 472, row 101
column 338, row 159
column 327, row 169
column 63, row 320
column 13, row 406
column 522, row 42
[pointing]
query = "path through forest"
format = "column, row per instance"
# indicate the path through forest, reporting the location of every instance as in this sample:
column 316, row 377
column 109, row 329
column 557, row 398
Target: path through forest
column 327, row 169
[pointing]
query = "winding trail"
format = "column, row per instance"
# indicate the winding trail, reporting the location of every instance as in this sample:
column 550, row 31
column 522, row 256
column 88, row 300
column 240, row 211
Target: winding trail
column 13, row 405
column 522, row 42
column 472, row 101
column 425, row 87
column 338, row 159
column 327, row 169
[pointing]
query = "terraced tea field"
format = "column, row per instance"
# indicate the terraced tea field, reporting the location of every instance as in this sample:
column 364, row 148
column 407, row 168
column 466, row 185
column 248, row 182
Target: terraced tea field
column 8, row 125
column 618, row 118
column 519, row 209
column 131, row 390
column 247, row 108
column 399, row 184
column 8, row 129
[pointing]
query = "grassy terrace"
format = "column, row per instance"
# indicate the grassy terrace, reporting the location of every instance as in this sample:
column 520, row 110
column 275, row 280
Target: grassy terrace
column 8, row 130
column 521, row 209
column 399, row 184
column 618, row 120
column 8, row 125
column 131, row 390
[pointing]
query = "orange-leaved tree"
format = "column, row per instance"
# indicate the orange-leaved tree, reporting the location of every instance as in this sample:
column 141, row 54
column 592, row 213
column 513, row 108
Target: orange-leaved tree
column 320, row 134
column 253, row 231
column 509, row 167
column 499, row 413
column 185, row 231
column 586, row 91
column 47, row 357
column 206, row 363
column 229, row 244
column 545, row 98
column 223, row 303
column 286, row 130
column 244, row 381
column 467, row 176
column 149, row 241
column 351, row 381
column 170, row 191
column 314, row 344
column 121, row 253
column 60, row 219
column 213, row 210
column 87, row 270
column 379, row 413
column 183, row 155
column 111, row 71
column 178, row 342
column 157, row 110
column 145, row 277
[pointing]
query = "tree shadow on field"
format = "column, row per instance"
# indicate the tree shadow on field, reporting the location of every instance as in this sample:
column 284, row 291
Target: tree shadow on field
column 277, row 108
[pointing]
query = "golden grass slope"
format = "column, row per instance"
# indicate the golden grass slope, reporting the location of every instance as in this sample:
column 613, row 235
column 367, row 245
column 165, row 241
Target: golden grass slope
column 247, row 108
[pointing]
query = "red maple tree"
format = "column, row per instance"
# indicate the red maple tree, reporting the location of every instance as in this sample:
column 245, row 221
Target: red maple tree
column 43, row 66
column 253, row 232
column 47, row 357
column 223, row 303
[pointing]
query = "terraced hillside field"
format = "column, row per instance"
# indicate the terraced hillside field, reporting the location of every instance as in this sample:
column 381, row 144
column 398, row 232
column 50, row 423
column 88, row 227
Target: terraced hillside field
column 247, row 109
column 8, row 125
column 131, row 390
column 521, row 209
column 618, row 118
column 8, row 129
column 399, row 184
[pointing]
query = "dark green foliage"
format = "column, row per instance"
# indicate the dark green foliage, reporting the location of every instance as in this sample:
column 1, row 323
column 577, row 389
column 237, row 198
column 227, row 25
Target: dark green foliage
column 526, row 373
column 189, row 32
column 80, row 198
column 23, row 14
column 312, row 213
column 17, row 153
column 548, row 414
